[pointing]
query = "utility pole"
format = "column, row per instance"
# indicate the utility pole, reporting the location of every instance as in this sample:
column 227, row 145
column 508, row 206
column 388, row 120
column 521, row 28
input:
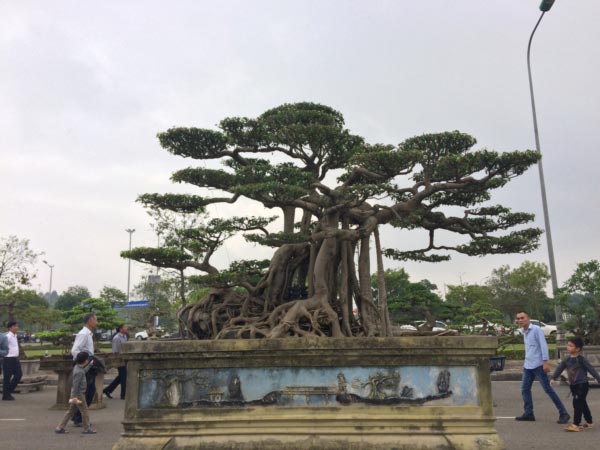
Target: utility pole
column 560, row 337
column 50, row 286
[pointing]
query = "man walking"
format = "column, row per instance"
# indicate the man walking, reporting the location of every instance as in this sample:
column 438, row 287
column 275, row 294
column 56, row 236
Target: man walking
column 121, row 378
column 536, row 366
column 84, row 342
column 11, row 366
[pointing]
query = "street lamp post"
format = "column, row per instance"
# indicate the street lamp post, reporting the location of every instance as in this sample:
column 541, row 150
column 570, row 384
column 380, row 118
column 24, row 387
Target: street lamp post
column 51, row 269
column 130, row 231
column 545, row 7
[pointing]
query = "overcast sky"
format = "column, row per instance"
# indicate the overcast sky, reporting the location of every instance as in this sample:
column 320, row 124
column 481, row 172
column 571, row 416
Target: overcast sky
column 86, row 85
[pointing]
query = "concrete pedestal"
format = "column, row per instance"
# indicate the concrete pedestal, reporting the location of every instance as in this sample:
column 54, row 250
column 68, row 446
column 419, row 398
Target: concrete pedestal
column 342, row 394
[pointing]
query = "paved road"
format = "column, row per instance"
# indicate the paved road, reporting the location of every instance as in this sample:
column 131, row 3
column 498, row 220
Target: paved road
column 27, row 423
column 544, row 433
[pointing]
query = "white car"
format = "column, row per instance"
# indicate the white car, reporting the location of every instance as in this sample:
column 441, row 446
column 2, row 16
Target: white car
column 439, row 326
column 492, row 328
column 547, row 329
column 141, row 335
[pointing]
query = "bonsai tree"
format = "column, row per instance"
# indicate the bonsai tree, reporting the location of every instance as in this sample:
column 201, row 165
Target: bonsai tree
column 64, row 337
column 334, row 192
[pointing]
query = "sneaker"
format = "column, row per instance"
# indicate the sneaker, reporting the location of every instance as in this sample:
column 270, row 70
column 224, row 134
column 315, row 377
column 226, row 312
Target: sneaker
column 77, row 424
column 563, row 418
column 525, row 418
column 60, row 431
column 89, row 431
column 573, row 427
column 588, row 425
column 107, row 393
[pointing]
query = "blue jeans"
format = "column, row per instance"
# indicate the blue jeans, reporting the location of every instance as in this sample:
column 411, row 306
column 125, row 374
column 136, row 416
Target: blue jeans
column 528, row 376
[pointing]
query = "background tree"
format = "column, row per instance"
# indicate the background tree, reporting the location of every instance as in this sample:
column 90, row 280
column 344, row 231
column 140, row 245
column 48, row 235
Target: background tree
column 162, row 295
column 113, row 296
column 72, row 297
column 16, row 272
column 334, row 192
column 409, row 302
column 472, row 305
column 523, row 288
column 580, row 297
column 16, row 301
column 38, row 317
column 16, row 262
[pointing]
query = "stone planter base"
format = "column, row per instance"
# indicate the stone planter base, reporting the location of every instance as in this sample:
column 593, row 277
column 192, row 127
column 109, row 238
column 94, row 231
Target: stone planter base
column 300, row 394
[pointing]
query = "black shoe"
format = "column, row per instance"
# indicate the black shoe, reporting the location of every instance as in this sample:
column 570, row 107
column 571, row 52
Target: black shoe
column 107, row 393
column 525, row 418
column 563, row 418
column 77, row 424
column 10, row 397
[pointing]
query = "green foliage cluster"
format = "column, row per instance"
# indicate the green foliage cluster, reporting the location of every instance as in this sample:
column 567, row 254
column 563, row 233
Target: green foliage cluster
column 580, row 297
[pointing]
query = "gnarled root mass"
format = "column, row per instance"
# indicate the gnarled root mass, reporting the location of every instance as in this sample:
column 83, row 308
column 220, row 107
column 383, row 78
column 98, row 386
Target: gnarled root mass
column 225, row 314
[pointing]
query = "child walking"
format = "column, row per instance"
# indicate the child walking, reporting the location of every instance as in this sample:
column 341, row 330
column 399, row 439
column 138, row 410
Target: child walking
column 577, row 369
column 77, row 401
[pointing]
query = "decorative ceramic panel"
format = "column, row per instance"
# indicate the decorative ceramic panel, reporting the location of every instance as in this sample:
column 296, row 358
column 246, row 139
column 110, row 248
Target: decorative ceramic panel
column 307, row 386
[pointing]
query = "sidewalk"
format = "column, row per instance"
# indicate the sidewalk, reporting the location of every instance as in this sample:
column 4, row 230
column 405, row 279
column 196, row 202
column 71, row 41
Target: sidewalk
column 27, row 424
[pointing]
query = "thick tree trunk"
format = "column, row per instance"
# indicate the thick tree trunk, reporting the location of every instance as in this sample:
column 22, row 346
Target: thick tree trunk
column 344, row 286
column 386, row 325
column 289, row 214
column 369, row 313
column 182, row 288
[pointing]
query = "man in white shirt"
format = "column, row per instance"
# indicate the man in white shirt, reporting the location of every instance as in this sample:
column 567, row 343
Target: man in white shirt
column 84, row 342
column 11, row 367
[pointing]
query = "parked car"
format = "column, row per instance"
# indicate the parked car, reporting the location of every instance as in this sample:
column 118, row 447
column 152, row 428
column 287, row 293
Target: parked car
column 104, row 335
column 141, row 335
column 547, row 329
column 174, row 335
column 492, row 329
column 439, row 326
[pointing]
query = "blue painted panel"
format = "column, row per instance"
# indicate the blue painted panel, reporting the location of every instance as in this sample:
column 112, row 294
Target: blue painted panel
column 308, row 386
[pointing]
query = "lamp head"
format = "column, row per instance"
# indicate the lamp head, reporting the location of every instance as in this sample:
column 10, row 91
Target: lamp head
column 546, row 5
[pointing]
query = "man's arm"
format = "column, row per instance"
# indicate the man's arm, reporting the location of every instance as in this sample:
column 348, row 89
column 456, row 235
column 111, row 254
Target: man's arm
column 544, row 348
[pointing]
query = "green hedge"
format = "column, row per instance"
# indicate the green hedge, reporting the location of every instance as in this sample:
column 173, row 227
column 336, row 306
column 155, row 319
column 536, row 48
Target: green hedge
column 519, row 354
